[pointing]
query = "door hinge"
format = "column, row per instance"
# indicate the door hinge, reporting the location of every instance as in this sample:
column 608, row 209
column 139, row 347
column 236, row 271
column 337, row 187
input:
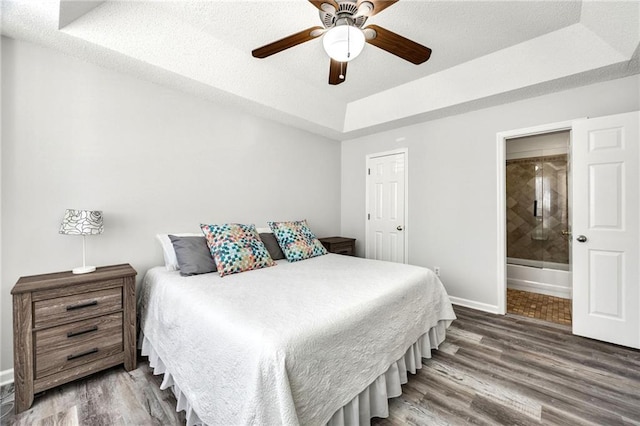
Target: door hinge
column 368, row 216
column 369, row 172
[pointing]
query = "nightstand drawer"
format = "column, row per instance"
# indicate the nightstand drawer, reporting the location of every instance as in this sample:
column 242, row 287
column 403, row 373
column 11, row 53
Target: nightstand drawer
column 66, row 346
column 60, row 310
column 343, row 248
column 339, row 245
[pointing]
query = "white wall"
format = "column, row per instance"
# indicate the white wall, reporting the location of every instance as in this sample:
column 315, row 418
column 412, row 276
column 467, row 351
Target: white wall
column 154, row 160
column 556, row 143
column 453, row 181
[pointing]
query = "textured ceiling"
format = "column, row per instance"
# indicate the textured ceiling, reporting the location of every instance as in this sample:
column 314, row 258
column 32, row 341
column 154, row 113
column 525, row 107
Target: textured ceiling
column 483, row 53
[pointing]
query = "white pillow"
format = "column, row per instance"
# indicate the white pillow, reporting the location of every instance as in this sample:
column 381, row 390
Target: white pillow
column 170, row 259
column 264, row 230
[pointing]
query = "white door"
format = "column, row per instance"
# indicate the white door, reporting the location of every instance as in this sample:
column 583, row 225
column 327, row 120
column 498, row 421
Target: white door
column 386, row 185
column 606, row 288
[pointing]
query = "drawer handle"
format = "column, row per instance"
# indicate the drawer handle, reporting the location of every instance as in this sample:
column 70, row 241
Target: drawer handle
column 78, row 333
column 89, row 352
column 82, row 305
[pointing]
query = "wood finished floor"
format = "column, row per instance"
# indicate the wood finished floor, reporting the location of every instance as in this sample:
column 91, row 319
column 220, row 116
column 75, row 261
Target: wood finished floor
column 491, row 370
column 111, row 397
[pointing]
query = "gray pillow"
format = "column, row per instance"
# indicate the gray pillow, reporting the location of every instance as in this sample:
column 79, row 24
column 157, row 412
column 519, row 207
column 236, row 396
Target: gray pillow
column 193, row 255
column 271, row 243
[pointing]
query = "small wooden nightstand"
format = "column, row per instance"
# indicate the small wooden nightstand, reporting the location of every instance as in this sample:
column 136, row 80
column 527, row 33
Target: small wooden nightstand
column 68, row 326
column 339, row 245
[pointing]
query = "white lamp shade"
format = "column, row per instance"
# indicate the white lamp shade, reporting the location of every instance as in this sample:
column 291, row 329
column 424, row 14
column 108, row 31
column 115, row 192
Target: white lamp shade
column 343, row 42
column 82, row 222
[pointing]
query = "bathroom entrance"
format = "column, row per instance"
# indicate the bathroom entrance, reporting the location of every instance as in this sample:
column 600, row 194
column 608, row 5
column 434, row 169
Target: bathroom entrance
column 537, row 226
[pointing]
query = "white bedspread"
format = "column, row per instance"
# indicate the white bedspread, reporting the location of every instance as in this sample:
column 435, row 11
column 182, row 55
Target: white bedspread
column 290, row 344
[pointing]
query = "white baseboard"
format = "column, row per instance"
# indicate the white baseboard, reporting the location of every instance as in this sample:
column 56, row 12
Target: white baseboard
column 542, row 288
column 474, row 305
column 6, row 377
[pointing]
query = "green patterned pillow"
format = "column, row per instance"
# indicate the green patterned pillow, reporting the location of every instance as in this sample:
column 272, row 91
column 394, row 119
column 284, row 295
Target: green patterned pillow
column 236, row 248
column 296, row 240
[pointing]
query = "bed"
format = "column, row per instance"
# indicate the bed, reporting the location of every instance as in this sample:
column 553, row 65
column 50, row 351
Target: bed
column 321, row 341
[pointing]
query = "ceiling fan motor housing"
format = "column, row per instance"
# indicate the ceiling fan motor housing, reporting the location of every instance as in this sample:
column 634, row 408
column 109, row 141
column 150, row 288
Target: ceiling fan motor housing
column 346, row 10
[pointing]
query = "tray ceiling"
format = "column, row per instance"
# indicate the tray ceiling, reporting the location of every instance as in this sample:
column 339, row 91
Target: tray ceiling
column 484, row 53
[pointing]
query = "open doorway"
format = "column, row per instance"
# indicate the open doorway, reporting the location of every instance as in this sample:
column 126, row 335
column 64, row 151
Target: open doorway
column 537, row 278
column 538, row 267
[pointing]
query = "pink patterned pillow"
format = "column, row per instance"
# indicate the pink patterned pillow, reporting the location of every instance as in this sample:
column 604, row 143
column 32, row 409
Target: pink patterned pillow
column 236, row 248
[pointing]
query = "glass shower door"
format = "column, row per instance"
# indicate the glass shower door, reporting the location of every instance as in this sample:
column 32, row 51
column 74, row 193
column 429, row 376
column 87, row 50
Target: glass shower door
column 555, row 214
column 540, row 233
column 537, row 212
column 525, row 227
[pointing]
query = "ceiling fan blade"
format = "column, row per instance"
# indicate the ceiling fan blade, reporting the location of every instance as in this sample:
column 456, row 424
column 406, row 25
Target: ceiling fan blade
column 287, row 42
column 398, row 45
column 378, row 5
column 318, row 4
column 337, row 69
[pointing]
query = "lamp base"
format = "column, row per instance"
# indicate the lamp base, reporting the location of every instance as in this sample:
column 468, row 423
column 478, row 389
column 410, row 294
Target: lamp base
column 83, row 269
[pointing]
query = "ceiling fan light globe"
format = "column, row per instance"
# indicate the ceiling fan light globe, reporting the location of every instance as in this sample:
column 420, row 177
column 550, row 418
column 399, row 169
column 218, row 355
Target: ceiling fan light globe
column 343, row 43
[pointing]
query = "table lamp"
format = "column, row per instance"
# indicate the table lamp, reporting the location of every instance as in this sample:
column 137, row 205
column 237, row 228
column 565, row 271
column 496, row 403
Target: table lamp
column 82, row 222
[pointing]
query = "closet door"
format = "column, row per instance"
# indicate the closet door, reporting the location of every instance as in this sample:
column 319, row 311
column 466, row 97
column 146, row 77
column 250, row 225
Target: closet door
column 606, row 231
column 386, row 207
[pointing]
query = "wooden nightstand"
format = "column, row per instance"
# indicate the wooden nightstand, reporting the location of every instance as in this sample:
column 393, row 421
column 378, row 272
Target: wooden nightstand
column 339, row 245
column 68, row 326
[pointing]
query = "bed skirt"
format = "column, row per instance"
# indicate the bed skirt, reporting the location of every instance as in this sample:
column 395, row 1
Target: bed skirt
column 371, row 402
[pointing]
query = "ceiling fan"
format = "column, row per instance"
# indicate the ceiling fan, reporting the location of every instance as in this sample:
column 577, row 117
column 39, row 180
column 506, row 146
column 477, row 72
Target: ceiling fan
column 344, row 35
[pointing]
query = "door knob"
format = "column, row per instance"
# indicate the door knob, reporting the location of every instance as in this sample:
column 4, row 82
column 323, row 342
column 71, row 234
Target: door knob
column 399, row 228
column 581, row 239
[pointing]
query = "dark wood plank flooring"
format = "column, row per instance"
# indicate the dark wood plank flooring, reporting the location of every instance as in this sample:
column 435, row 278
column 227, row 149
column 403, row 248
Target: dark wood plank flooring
column 513, row 370
column 111, row 397
column 491, row 370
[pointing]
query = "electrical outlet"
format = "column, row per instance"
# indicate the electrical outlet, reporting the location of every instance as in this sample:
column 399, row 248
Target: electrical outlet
column 436, row 270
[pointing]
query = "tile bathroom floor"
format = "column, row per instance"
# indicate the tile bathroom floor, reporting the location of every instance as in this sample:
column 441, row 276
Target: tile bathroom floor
column 539, row 306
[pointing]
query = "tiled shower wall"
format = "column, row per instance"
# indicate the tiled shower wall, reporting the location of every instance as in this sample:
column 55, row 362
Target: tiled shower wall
column 537, row 236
